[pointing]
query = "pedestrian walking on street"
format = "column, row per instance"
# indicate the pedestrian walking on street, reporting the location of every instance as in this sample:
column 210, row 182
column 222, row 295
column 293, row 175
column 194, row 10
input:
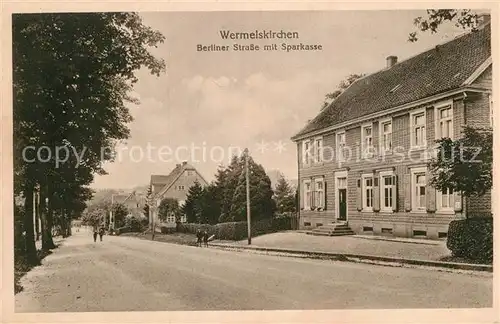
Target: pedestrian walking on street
column 101, row 233
column 95, row 233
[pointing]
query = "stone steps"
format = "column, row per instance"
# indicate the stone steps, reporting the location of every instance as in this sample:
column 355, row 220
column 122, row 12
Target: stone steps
column 334, row 229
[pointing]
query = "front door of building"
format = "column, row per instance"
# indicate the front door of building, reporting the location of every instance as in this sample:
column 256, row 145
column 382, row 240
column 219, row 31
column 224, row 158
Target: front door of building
column 342, row 204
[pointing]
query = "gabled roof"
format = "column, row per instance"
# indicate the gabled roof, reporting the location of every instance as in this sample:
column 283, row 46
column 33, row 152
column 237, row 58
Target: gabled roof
column 163, row 183
column 443, row 68
column 120, row 198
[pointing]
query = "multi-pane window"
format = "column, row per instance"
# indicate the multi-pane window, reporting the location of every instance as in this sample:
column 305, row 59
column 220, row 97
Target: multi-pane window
column 387, row 191
column 171, row 218
column 341, row 146
column 306, row 152
column 318, row 150
column 386, row 136
column 418, row 188
column 319, row 195
column 367, row 140
column 445, row 199
column 368, row 192
column 418, row 129
column 445, row 122
column 307, row 195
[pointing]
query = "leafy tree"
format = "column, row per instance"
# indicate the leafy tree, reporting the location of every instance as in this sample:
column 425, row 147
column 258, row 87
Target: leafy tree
column 262, row 205
column 120, row 212
column 192, row 207
column 91, row 59
column 284, row 196
column 94, row 218
column 167, row 207
column 149, row 195
column 210, row 204
column 344, row 84
column 464, row 165
column 464, row 18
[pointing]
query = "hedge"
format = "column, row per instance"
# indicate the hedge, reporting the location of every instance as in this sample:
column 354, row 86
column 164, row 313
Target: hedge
column 236, row 231
column 472, row 238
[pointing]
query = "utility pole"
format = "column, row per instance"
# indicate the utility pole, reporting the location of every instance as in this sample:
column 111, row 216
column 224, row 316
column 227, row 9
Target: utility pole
column 248, row 199
column 111, row 220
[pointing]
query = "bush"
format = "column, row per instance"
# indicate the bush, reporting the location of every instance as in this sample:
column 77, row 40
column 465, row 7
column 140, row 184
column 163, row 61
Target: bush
column 192, row 228
column 135, row 224
column 167, row 229
column 233, row 231
column 236, row 231
column 472, row 239
column 122, row 230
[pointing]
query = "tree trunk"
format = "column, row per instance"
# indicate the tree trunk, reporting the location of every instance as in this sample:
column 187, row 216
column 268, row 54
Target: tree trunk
column 29, row 237
column 47, row 242
column 37, row 216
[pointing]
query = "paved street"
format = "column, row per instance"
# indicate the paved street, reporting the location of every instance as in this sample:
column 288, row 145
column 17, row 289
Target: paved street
column 128, row 274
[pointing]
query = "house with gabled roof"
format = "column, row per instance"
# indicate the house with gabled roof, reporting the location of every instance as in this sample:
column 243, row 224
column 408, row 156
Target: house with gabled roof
column 133, row 201
column 362, row 161
column 174, row 185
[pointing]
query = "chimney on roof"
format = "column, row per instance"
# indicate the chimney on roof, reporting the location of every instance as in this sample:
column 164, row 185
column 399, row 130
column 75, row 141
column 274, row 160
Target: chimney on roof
column 391, row 60
column 184, row 162
column 177, row 165
column 483, row 20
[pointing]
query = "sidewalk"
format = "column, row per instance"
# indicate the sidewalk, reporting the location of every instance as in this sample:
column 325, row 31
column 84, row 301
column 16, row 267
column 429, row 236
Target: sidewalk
column 356, row 244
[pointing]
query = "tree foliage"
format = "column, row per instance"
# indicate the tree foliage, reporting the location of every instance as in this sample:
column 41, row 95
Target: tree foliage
column 72, row 75
column 464, row 18
column 344, row 84
column 284, row 196
column 193, row 206
column 120, row 212
column 94, row 218
column 167, row 207
column 149, row 195
column 262, row 205
column 464, row 165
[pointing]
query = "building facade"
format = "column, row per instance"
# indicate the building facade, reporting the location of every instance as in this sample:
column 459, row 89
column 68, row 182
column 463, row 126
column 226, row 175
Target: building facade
column 363, row 159
column 174, row 185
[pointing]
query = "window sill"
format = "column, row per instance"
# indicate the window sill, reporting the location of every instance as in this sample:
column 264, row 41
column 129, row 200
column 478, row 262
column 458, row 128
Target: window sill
column 445, row 212
column 367, row 210
column 418, row 211
column 386, row 211
column 418, row 148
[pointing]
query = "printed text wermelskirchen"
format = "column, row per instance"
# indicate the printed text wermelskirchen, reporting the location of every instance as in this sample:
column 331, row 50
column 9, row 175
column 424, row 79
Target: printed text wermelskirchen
column 259, row 34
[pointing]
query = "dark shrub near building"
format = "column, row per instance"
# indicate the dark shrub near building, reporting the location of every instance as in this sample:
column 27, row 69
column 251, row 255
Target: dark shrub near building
column 472, row 239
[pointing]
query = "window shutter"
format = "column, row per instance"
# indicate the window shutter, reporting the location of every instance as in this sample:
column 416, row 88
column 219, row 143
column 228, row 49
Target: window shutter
column 458, row 202
column 325, row 195
column 376, row 193
column 407, row 186
column 313, row 195
column 359, row 201
column 395, row 193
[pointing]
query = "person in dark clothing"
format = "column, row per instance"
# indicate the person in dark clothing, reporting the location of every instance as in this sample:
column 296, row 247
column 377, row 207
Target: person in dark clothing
column 101, row 233
column 95, row 233
column 199, row 236
column 205, row 238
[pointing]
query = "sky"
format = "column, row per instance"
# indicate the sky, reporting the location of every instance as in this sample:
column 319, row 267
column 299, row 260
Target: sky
column 222, row 102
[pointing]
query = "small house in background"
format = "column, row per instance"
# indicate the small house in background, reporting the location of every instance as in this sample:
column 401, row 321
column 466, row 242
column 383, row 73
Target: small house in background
column 174, row 185
column 134, row 203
